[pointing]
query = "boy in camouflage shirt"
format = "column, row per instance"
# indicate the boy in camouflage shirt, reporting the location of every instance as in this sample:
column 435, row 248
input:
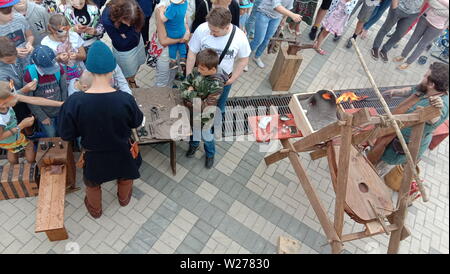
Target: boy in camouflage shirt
column 205, row 83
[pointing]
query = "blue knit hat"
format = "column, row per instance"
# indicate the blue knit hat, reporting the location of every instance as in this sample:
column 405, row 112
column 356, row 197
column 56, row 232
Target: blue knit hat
column 100, row 59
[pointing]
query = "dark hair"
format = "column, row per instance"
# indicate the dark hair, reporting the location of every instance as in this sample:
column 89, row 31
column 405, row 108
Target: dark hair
column 126, row 9
column 7, row 47
column 6, row 10
column 439, row 76
column 219, row 17
column 208, row 58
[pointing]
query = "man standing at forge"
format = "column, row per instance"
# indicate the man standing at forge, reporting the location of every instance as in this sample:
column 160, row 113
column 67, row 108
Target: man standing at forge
column 433, row 90
column 402, row 13
column 216, row 34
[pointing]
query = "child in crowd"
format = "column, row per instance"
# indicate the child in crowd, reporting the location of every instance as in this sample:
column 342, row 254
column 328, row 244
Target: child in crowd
column 50, row 5
column 174, row 21
column 84, row 17
column 67, row 45
column 244, row 11
column 11, row 137
column 118, row 82
column 335, row 21
column 51, row 84
column 15, row 27
column 205, row 83
column 37, row 16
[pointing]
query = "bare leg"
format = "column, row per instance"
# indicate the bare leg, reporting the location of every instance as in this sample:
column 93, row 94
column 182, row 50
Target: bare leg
column 30, row 154
column 13, row 158
column 319, row 17
column 359, row 27
column 323, row 34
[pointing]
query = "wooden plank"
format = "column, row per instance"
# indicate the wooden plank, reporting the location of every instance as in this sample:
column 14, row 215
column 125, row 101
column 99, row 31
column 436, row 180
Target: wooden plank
column 57, row 234
column 288, row 246
column 26, row 180
column 317, row 154
column 311, row 193
column 50, row 209
column 15, row 182
column 5, row 182
column 365, row 234
column 342, row 175
column 301, row 121
column 400, row 215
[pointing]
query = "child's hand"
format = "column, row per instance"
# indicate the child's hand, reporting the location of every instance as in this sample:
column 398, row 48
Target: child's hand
column 31, row 86
column 296, row 17
column 22, row 52
column 191, row 88
column 46, row 122
column 63, row 57
column 80, row 28
column 27, row 122
column 73, row 56
column 90, row 31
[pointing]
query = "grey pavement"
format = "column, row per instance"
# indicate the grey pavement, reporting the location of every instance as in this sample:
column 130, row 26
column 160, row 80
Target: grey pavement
column 240, row 206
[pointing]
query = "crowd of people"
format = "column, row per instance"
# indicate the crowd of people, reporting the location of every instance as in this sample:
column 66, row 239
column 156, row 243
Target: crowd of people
column 57, row 78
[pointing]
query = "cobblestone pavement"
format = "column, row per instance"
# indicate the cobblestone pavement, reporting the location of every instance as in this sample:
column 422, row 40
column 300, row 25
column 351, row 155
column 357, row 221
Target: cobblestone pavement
column 241, row 205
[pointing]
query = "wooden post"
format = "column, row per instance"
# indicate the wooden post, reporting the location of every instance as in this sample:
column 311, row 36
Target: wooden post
column 311, row 194
column 342, row 177
column 285, row 69
column 403, row 195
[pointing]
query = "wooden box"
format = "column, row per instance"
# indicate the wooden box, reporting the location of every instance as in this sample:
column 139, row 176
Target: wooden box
column 285, row 69
column 59, row 154
column 18, row 181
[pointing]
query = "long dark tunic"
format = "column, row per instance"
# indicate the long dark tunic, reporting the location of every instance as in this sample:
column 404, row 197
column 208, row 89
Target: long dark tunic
column 104, row 122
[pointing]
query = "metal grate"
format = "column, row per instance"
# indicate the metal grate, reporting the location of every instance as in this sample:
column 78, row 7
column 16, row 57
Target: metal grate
column 238, row 109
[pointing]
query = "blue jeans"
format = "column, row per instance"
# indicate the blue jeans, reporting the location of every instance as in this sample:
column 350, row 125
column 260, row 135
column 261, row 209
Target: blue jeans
column 173, row 49
column 208, row 139
column 377, row 13
column 265, row 28
column 50, row 130
column 250, row 24
column 223, row 98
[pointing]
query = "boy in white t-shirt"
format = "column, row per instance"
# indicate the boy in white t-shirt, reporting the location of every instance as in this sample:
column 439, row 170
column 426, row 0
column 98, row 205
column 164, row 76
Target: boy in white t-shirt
column 215, row 34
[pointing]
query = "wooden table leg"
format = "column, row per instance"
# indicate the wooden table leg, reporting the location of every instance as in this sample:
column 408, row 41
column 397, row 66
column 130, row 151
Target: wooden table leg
column 173, row 157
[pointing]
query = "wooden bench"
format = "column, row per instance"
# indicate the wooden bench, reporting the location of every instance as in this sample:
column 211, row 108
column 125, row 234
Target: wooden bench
column 50, row 207
column 18, row 181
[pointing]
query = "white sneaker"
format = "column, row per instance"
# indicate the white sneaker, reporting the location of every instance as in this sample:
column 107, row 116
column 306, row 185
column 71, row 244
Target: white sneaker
column 259, row 62
column 246, row 68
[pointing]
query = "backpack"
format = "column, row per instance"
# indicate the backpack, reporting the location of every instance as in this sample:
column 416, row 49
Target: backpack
column 35, row 75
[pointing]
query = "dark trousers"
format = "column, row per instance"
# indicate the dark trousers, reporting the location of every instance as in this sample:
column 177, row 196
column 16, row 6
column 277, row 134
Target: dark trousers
column 145, row 30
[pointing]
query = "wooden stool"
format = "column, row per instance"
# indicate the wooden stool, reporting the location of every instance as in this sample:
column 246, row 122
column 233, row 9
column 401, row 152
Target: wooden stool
column 18, row 181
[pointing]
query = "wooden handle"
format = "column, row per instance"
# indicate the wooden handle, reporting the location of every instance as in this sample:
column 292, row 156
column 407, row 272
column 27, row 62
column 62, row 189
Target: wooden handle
column 409, row 158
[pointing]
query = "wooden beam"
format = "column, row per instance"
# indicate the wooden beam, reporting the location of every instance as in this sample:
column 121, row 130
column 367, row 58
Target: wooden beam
column 401, row 214
column 365, row 234
column 313, row 198
column 317, row 154
column 342, row 177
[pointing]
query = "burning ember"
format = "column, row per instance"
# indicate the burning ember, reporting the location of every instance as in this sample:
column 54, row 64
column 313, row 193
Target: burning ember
column 326, row 96
column 349, row 97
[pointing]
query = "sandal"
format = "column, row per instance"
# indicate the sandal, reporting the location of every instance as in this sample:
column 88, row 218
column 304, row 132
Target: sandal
column 403, row 66
column 319, row 50
column 399, row 59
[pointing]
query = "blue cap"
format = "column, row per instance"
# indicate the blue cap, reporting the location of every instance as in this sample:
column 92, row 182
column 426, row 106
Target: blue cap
column 244, row 4
column 100, row 59
column 8, row 3
column 45, row 60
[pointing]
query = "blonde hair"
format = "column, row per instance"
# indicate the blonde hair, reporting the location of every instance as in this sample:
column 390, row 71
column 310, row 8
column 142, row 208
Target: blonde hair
column 5, row 90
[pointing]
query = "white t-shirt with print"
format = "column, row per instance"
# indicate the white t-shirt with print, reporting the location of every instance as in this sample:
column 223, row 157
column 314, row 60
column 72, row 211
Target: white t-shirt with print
column 239, row 48
column 74, row 39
